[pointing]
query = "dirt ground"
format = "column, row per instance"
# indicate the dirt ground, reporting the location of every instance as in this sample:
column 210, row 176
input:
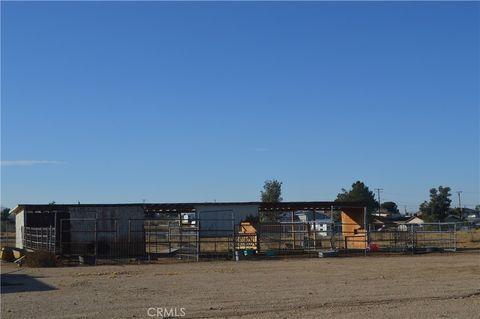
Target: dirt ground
column 422, row 286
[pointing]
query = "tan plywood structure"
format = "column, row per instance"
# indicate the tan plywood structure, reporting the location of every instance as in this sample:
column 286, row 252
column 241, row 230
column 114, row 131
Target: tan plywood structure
column 353, row 227
column 247, row 236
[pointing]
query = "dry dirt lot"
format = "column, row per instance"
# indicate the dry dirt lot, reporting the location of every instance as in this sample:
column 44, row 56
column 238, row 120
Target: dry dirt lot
column 423, row 286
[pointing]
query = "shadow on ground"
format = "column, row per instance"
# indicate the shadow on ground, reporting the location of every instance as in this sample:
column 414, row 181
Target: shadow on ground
column 12, row 283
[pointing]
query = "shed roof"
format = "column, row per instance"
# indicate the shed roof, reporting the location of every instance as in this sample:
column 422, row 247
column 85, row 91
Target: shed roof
column 282, row 206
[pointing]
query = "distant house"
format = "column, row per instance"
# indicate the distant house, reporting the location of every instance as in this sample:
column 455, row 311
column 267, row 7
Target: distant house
column 473, row 217
column 452, row 219
column 383, row 213
column 414, row 220
column 319, row 221
column 378, row 222
column 389, row 223
column 465, row 212
column 308, row 216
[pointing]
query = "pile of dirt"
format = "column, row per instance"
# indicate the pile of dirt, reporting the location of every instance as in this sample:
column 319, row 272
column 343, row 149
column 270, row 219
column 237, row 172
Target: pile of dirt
column 40, row 258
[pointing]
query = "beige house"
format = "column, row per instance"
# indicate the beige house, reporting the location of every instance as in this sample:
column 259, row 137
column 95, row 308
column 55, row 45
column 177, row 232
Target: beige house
column 414, row 220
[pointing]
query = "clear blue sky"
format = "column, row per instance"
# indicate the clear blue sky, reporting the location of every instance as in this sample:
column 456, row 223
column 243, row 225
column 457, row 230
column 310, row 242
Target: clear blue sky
column 120, row 102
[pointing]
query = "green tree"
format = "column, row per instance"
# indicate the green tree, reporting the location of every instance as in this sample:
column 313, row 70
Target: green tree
column 4, row 214
column 390, row 207
column 359, row 193
column 437, row 208
column 272, row 193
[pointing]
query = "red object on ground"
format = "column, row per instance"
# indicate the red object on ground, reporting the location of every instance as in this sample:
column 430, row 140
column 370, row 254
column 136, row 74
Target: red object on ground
column 373, row 247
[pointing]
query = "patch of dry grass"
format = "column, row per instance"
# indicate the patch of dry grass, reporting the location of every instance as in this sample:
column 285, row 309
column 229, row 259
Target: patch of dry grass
column 468, row 238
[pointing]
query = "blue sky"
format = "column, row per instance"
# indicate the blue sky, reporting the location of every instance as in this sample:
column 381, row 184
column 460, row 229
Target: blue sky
column 166, row 102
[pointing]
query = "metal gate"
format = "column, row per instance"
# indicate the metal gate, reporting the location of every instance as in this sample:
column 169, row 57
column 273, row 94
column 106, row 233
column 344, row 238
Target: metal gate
column 188, row 237
column 435, row 236
column 168, row 235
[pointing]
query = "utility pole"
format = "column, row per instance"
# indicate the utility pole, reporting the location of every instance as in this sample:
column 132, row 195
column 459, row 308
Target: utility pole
column 460, row 202
column 379, row 202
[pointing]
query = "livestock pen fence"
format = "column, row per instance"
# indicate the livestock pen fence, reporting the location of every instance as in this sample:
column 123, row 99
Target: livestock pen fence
column 216, row 235
column 413, row 237
column 7, row 233
column 39, row 238
column 167, row 235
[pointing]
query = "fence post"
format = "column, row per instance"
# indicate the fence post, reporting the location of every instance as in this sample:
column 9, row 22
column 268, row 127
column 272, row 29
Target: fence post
column 333, row 244
column 365, row 228
column 55, row 227
column 169, row 238
column 147, row 223
column 411, row 237
column 180, row 234
column 314, row 230
column 454, row 237
column 95, row 246
column 23, row 236
column 234, row 237
column 60, row 236
column 293, row 228
column 258, row 232
column 197, row 222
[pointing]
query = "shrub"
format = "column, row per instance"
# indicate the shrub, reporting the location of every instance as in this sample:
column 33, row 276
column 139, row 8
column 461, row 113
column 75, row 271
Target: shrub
column 40, row 258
